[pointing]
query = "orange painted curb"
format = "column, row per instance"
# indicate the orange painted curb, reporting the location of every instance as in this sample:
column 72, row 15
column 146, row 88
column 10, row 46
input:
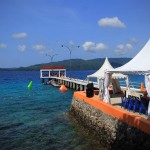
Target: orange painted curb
column 120, row 114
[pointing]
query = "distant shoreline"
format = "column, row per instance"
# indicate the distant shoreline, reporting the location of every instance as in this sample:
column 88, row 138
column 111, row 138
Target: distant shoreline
column 77, row 64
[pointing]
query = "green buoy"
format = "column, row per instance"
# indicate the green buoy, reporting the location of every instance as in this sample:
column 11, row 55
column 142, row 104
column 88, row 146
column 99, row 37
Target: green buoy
column 30, row 85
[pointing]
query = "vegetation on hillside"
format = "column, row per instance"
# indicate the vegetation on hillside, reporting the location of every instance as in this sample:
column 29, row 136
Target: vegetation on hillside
column 76, row 64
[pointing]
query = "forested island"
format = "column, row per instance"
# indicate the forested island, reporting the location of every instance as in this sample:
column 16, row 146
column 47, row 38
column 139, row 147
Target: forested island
column 76, row 64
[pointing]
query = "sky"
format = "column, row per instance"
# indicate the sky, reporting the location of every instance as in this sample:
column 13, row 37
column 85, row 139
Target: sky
column 33, row 31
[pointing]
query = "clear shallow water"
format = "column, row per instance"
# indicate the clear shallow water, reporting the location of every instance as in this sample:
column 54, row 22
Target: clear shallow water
column 37, row 118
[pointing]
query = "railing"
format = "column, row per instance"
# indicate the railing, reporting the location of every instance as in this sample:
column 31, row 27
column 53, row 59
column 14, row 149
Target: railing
column 135, row 85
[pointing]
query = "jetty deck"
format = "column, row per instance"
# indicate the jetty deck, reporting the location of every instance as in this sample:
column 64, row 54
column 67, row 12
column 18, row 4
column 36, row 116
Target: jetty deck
column 76, row 84
column 58, row 74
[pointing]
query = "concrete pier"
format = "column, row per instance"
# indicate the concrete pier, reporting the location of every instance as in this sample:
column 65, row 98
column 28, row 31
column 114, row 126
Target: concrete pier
column 58, row 73
column 76, row 84
column 115, row 128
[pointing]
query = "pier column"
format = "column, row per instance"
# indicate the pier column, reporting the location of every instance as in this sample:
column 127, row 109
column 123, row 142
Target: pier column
column 67, row 83
column 58, row 80
column 61, row 81
column 84, row 88
column 59, row 73
column 77, row 87
column 49, row 74
column 80, row 87
column 71, row 85
column 41, row 75
column 42, row 80
column 74, row 86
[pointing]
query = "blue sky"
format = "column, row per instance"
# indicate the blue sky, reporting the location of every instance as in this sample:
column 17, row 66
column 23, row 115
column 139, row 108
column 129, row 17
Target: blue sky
column 30, row 29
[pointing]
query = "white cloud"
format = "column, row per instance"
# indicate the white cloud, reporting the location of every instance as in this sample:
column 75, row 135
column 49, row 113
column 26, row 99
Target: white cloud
column 47, row 51
column 71, row 42
column 129, row 46
column 21, row 48
column 39, row 47
column 123, row 49
column 93, row 47
column 3, row 45
column 134, row 40
column 19, row 35
column 42, row 49
column 111, row 22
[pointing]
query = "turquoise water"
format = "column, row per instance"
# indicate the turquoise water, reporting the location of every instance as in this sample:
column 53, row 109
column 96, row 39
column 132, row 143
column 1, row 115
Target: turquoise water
column 37, row 118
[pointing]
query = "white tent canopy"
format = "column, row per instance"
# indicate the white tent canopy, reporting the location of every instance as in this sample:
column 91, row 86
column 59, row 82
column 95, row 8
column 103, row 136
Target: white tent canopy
column 101, row 72
column 140, row 64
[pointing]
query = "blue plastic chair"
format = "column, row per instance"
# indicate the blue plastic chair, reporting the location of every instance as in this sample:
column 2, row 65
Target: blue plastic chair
column 142, row 108
column 126, row 103
column 130, row 104
column 136, row 105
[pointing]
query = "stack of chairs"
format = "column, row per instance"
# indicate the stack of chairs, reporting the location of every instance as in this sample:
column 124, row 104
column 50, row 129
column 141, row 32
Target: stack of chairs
column 134, row 104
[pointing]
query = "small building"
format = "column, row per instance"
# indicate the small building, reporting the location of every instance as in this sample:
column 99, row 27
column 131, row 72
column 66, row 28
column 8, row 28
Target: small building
column 48, row 72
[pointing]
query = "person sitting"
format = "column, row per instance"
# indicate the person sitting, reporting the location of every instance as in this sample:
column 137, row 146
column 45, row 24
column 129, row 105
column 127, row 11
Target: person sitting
column 142, row 88
column 145, row 99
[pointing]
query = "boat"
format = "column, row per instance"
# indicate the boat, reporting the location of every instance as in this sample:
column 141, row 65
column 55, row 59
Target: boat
column 55, row 84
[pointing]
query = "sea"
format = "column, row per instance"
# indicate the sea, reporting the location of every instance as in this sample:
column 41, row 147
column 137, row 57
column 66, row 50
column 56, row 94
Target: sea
column 37, row 118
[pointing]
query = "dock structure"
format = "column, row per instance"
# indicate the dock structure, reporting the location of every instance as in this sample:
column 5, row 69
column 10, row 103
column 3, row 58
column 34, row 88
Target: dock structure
column 52, row 71
column 58, row 74
column 114, row 127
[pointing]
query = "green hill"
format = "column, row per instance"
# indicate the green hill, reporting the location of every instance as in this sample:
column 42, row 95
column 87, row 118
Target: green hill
column 76, row 64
